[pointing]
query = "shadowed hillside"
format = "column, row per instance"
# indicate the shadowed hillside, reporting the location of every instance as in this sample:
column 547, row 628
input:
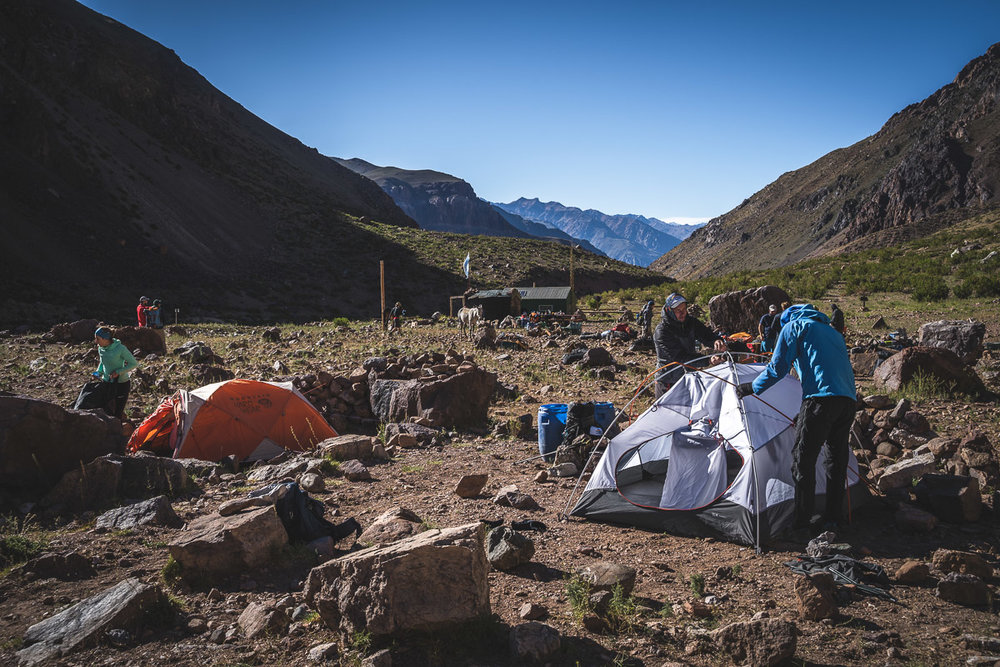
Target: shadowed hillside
column 125, row 172
column 931, row 165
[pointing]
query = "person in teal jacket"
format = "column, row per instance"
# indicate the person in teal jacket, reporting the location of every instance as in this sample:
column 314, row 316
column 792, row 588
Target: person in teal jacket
column 829, row 400
column 115, row 365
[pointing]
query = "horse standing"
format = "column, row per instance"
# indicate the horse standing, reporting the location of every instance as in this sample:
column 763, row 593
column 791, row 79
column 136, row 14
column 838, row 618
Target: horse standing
column 469, row 317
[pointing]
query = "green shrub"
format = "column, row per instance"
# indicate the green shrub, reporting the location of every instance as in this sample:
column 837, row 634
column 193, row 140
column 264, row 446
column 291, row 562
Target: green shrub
column 341, row 322
column 696, row 582
column 929, row 288
column 578, row 593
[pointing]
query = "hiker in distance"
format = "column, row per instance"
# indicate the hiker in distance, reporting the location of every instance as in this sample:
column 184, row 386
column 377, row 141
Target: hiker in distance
column 115, row 365
column 829, row 398
column 675, row 339
column 142, row 311
column 768, row 328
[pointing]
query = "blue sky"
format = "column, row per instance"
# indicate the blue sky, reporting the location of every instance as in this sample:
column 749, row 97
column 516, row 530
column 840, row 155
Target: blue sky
column 666, row 109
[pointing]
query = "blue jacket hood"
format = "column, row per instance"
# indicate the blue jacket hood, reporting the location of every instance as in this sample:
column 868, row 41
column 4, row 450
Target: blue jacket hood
column 803, row 311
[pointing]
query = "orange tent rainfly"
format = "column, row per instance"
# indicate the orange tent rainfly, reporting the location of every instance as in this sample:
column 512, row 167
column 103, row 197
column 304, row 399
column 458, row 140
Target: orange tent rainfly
column 252, row 420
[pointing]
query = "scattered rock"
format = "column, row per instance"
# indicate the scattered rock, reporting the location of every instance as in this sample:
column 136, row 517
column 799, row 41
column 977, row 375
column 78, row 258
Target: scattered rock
column 67, row 567
column 258, row 620
column 914, row 519
column 878, row 401
column 403, row 441
column 904, row 472
column 431, row 580
column 323, row 653
column 471, row 486
column 947, row 560
column 605, row 575
column 767, row 641
column 530, row 611
column 510, row 496
column 153, row 512
column 913, row 572
column 355, row 471
column 964, row 589
column 815, row 596
column 347, row 447
column 506, row 548
column 534, row 642
column 310, row 482
column 951, row 498
column 391, row 526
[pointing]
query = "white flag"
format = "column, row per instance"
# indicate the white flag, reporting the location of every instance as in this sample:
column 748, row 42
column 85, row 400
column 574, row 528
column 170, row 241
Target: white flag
column 467, row 264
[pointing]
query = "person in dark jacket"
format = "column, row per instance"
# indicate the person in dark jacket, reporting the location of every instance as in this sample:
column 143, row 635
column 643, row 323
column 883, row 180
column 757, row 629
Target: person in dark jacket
column 675, row 338
column 768, row 328
column 837, row 319
column 829, row 399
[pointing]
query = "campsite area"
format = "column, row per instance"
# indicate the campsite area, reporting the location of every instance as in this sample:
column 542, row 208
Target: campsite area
column 684, row 588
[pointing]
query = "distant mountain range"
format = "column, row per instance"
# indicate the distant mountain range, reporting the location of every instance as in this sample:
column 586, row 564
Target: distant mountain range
column 445, row 203
column 629, row 238
column 933, row 164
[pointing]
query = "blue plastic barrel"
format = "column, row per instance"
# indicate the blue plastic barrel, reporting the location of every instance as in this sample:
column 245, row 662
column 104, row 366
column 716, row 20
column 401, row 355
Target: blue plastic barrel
column 551, row 422
column 604, row 413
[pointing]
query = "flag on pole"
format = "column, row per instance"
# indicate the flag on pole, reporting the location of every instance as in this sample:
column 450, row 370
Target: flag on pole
column 467, row 264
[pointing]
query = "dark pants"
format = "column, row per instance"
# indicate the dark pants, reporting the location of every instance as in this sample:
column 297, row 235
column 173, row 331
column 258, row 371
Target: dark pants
column 822, row 420
column 121, row 398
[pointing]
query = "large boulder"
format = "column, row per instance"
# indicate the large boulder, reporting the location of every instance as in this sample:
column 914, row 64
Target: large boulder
column 742, row 310
column 903, row 473
column 934, row 362
column 229, row 545
column 130, row 605
column 144, row 339
column 40, row 442
column 951, row 498
column 392, row 526
column 766, row 641
column 116, row 476
column 81, row 331
column 459, row 400
column 429, row 581
column 963, row 337
column 347, row 447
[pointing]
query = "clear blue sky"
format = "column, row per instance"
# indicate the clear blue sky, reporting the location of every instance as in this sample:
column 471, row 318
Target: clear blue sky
column 667, row 109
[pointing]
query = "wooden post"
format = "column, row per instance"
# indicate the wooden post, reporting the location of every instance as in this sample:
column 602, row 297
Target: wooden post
column 571, row 267
column 381, row 271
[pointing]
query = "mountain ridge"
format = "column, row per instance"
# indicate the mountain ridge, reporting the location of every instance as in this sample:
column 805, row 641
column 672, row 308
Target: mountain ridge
column 933, row 161
column 626, row 237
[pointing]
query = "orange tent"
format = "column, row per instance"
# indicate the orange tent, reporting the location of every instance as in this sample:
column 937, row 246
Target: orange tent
column 253, row 420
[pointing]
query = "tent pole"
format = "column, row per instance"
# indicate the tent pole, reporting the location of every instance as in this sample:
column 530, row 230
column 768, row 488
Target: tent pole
column 753, row 462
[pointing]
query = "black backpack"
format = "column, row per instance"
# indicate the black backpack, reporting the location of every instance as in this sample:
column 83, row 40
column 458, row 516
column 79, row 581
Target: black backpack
column 96, row 395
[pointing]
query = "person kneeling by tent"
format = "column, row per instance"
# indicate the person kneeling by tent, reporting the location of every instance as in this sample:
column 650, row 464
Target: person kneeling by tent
column 675, row 339
column 829, row 400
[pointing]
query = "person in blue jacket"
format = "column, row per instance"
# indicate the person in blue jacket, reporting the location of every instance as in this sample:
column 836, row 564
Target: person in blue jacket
column 829, row 400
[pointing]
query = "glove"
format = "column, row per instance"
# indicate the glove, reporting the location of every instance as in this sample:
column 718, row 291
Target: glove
column 744, row 390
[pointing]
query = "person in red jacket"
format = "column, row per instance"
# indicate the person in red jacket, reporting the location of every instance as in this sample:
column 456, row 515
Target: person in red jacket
column 140, row 310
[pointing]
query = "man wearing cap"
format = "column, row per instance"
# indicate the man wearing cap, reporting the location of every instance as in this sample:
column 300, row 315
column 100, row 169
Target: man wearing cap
column 141, row 310
column 829, row 399
column 768, row 328
column 675, row 339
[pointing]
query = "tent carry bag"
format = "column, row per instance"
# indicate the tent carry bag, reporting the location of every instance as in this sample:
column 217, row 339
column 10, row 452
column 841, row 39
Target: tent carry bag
column 96, row 395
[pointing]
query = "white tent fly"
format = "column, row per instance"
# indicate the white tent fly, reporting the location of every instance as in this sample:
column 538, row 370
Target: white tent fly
column 700, row 461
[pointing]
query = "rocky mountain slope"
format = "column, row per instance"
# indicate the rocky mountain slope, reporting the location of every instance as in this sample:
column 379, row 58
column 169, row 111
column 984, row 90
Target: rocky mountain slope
column 543, row 231
column 629, row 238
column 931, row 165
column 125, row 172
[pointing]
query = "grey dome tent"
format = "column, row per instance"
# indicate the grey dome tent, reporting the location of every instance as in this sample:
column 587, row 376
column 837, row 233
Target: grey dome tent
column 702, row 462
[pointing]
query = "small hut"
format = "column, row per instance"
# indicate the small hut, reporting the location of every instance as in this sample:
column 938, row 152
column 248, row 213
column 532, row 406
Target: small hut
column 497, row 303
column 547, row 299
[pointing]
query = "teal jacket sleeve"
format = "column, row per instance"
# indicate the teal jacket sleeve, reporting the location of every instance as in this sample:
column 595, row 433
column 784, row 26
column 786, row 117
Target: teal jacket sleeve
column 128, row 364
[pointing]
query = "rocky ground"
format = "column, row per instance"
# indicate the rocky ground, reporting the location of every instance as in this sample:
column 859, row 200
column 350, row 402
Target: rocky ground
column 684, row 587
